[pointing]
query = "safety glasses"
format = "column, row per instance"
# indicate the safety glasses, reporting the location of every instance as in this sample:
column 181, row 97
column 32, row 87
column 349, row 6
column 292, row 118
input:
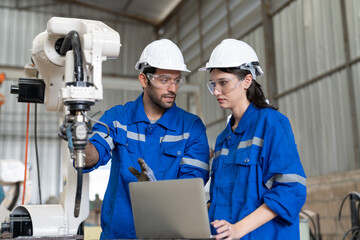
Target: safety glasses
column 222, row 85
column 165, row 81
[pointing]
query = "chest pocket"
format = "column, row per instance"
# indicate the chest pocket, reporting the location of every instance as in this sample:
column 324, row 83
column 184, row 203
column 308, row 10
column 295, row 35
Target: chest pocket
column 247, row 156
column 247, row 164
column 173, row 152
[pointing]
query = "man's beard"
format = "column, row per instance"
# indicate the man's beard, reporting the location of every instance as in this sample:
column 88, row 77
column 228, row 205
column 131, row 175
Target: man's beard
column 157, row 100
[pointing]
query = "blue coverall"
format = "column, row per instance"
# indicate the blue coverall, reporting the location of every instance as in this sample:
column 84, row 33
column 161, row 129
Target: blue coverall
column 174, row 147
column 258, row 163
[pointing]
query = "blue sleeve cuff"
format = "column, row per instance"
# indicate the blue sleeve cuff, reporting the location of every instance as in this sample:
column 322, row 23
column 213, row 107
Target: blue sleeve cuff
column 104, row 155
column 286, row 207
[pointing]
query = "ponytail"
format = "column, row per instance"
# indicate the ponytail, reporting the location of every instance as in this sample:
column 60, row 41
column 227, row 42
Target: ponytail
column 254, row 93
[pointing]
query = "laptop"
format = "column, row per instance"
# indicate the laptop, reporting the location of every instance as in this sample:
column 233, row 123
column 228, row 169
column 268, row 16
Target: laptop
column 170, row 209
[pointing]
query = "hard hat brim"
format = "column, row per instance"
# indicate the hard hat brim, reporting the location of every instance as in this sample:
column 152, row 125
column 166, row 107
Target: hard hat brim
column 141, row 65
column 203, row 69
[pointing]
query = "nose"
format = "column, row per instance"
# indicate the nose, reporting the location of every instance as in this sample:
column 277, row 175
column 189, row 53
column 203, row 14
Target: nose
column 216, row 92
column 172, row 88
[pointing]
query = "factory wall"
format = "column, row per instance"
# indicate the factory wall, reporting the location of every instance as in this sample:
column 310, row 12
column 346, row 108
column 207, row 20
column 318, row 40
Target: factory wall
column 16, row 41
column 328, row 203
column 309, row 42
column 313, row 84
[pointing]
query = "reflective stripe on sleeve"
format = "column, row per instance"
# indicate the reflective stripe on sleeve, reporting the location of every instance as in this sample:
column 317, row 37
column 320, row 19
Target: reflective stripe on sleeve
column 108, row 139
column 255, row 141
column 195, row 162
column 223, row 151
column 174, row 138
column 285, row 178
column 131, row 135
column 119, row 125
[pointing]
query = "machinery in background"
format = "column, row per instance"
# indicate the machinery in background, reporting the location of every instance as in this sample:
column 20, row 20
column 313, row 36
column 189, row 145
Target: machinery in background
column 68, row 56
column 354, row 231
column 11, row 179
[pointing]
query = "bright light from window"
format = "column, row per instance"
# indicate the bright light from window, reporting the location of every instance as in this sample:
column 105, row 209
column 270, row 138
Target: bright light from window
column 98, row 180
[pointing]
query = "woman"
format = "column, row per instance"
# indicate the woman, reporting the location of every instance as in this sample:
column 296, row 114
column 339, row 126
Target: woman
column 258, row 184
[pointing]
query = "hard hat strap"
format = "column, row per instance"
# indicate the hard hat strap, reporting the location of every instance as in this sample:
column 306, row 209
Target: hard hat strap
column 250, row 67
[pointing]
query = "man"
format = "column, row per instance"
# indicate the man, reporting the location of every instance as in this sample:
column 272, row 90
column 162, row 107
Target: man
column 169, row 142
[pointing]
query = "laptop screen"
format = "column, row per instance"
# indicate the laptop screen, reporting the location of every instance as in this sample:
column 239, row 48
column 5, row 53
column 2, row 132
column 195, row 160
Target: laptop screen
column 170, row 209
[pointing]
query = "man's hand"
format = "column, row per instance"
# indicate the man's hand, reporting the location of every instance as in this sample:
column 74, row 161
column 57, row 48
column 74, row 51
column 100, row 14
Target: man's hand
column 68, row 121
column 146, row 173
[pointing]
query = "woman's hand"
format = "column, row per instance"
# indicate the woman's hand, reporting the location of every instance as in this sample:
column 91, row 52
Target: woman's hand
column 224, row 229
column 259, row 217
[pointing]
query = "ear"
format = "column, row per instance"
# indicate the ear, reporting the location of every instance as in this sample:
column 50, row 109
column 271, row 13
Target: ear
column 143, row 80
column 247, row 81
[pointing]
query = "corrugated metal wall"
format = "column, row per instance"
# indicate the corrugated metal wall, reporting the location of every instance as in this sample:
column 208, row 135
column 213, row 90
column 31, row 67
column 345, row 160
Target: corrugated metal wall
column 16, row 41
column 201, row 25
column 308, row 43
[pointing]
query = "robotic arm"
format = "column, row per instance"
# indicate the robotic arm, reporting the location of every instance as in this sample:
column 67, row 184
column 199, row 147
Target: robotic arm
column 77, row 72
column 69, row 56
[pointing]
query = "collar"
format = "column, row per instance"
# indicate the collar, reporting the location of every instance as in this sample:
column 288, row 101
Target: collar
column 247, row 120
column 167, row 120
column 137, row 113
column 170, row 117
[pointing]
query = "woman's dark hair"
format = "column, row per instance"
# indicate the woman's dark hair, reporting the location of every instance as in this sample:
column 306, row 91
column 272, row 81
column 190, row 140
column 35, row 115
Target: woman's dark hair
column 254, row 93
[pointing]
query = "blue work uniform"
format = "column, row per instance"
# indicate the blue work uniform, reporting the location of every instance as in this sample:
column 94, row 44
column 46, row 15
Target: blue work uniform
column 258, row 163
column 174, row 147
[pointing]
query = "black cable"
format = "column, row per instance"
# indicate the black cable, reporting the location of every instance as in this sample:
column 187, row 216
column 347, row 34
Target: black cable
column 72, row 41
column 78, row 191
column 342, row 202
column 357, row 233
column 350, row 230
column 312, row 236
column 37, row 153
column 354, row 233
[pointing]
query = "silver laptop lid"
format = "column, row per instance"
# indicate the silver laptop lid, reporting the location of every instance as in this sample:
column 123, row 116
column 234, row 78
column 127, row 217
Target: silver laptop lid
column 170, row 209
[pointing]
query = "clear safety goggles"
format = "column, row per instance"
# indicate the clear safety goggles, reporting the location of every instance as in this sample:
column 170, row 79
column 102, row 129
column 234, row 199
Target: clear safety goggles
column 165, row 81
column 223, row 85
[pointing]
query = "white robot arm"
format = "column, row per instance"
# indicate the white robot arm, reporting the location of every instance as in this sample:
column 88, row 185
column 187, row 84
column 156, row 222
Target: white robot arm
column 98, row 42
column 68, row 56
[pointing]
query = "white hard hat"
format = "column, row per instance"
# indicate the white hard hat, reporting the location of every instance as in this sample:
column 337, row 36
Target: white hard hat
column 163, row 54
column 234, row 53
